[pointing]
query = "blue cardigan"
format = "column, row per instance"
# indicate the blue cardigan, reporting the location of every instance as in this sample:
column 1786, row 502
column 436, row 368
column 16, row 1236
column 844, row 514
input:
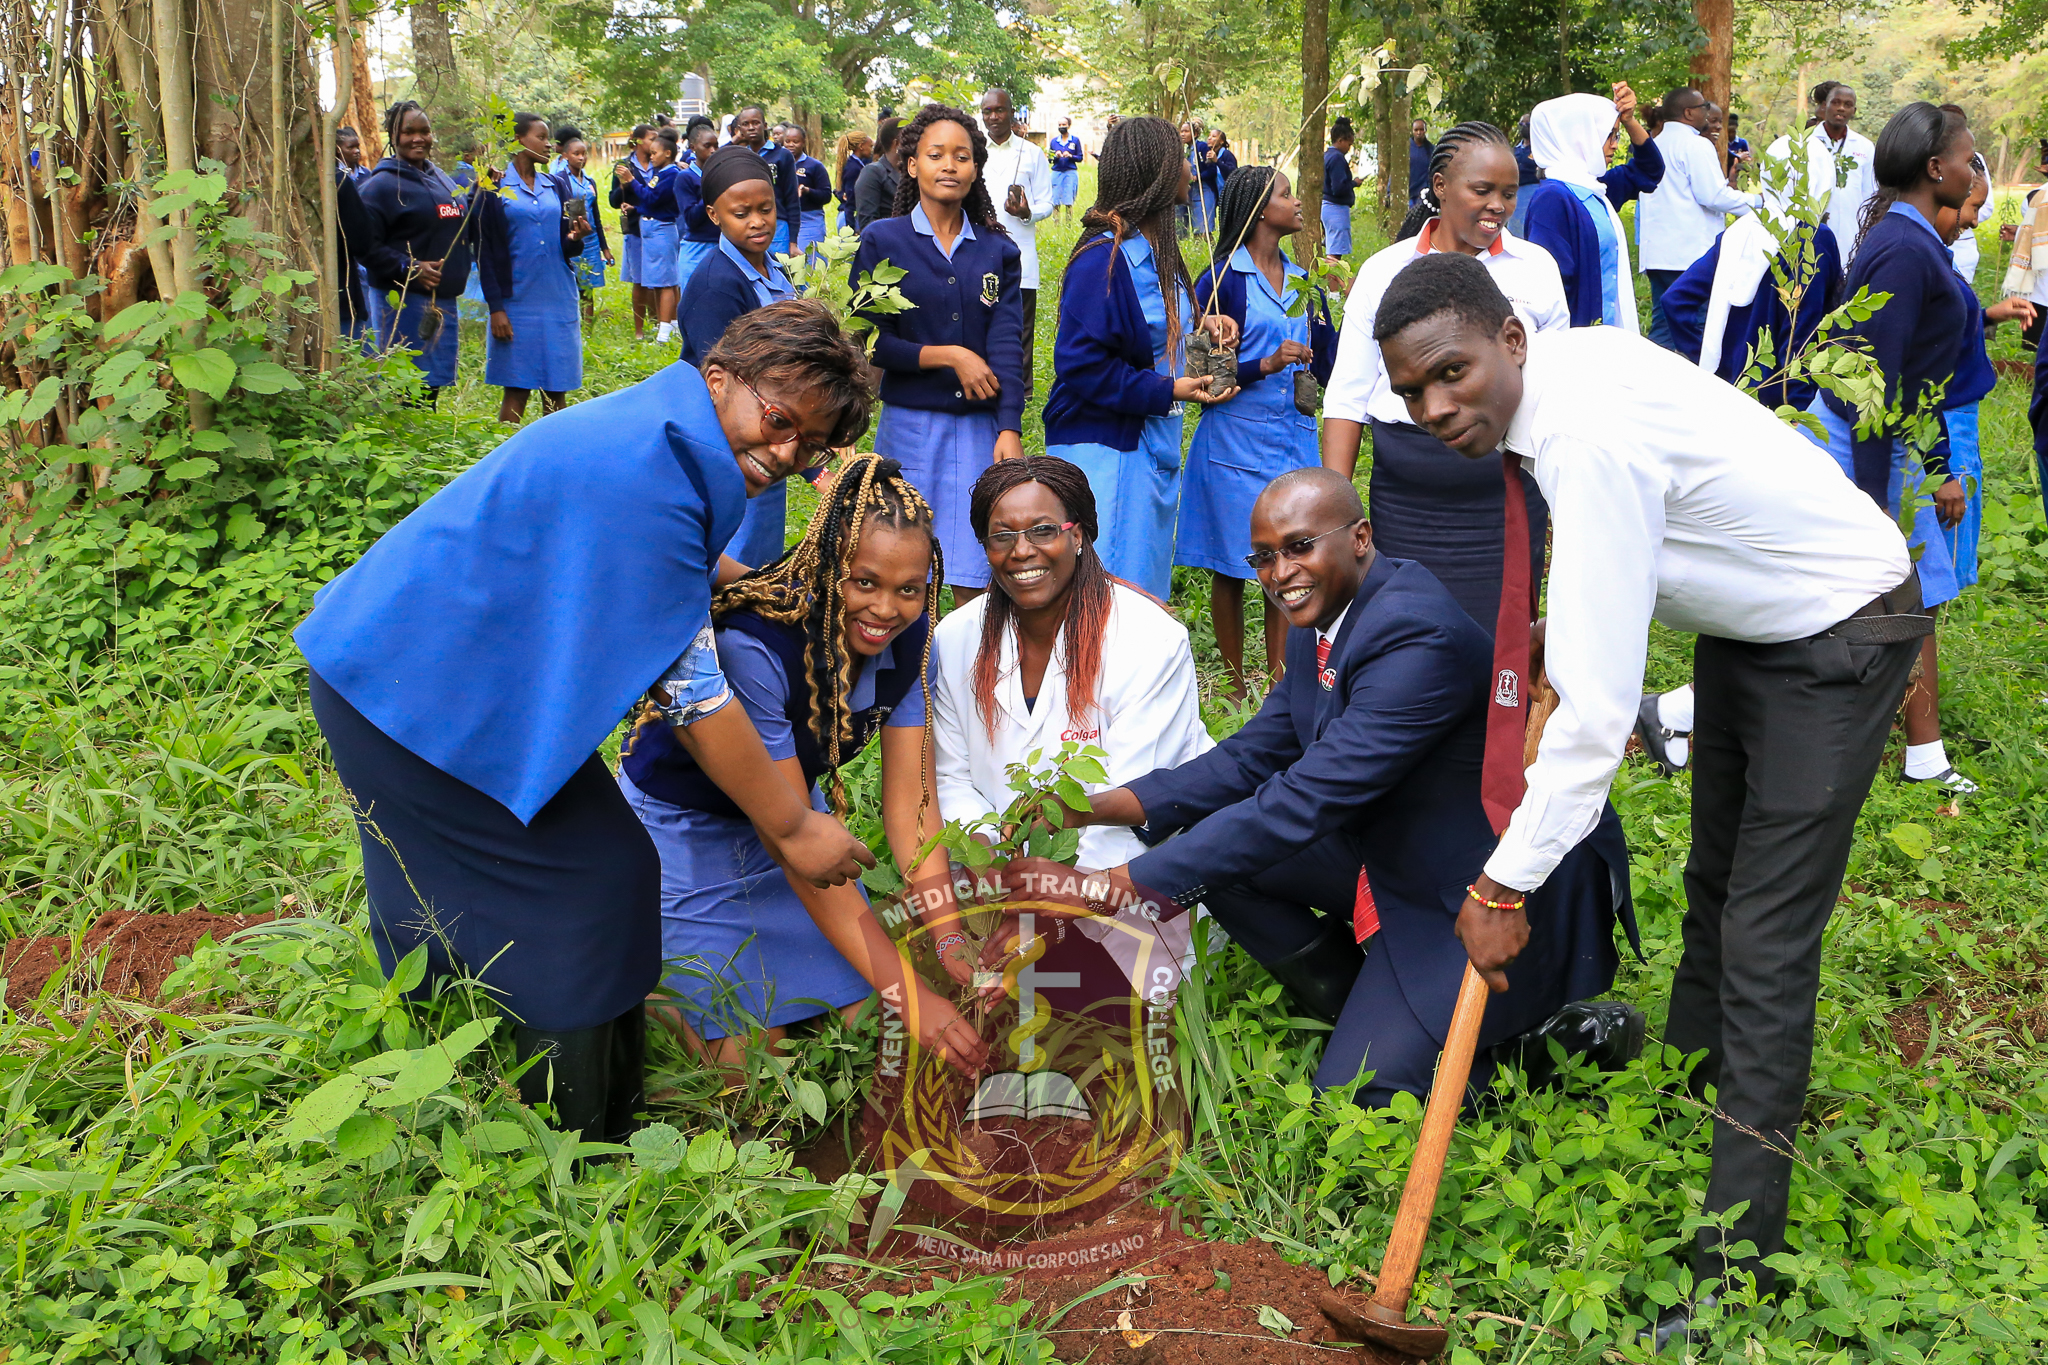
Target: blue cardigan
column 814, row 183
column 1229, row 287
column 718, row 292
column 1685, row 315
column 974, row 300
column 1640, row 174
column 1337, row 182
column 1554, row 219
column 688, row 193
column 788, row 187
column 1104, row 386
column 1919, row 338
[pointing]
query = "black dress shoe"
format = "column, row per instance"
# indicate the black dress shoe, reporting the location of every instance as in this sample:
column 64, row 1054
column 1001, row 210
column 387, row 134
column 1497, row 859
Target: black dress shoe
column 1319, row 976
column 1607, row 1033
column 1650, row 732
column 1676, row 1325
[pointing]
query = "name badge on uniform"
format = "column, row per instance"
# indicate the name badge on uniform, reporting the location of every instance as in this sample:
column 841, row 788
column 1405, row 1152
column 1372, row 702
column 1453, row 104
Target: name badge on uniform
column 991, row 289
column 1328, row 678
column 448, row 210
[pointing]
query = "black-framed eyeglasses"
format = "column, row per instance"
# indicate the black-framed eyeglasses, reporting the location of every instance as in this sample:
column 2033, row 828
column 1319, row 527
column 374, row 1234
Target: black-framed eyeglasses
column 1045, row 533
column 1295, row 549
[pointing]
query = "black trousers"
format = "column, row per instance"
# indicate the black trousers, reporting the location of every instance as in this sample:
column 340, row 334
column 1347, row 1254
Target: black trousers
column 1786, row 739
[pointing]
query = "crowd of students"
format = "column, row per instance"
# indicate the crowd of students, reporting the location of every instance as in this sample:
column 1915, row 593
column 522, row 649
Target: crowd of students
column 1366, row 834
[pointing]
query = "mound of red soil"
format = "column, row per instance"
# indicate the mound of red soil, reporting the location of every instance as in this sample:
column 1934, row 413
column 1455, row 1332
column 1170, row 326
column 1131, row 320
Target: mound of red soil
column 142, row 951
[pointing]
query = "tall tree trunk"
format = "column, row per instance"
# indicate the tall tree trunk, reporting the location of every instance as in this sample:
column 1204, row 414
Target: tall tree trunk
column 363, row 113
column 1713, row 66
column 135, row 62
column 330, row 233
column 174, row 43
column 433, row 49
column 1387, row 144
column 1315, row 96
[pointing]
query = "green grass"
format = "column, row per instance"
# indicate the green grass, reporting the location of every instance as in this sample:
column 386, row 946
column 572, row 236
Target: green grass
column 173, row 1192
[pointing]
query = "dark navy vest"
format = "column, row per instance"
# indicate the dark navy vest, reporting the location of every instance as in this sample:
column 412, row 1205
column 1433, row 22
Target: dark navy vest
column 661, row 767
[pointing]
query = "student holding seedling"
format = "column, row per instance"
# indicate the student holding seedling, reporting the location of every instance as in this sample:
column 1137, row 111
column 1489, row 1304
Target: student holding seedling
column 1115, row 405
column 465, row 671
column 1266, row 428
column 739, row 200
column 953, row 364
column 826, row 649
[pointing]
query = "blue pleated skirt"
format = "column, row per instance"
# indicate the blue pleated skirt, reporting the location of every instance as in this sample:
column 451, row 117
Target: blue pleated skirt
column 1065, row 186
column 1966, row 462
column 630, row 251
column 690, row 255
column 658, row 253
column 1336, row 229
column 942, row 454
column 812, row 229
column 1928, row 544
column 737, row 945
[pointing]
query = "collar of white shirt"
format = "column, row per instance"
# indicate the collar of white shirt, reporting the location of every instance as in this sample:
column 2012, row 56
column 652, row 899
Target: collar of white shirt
column 1335, row 626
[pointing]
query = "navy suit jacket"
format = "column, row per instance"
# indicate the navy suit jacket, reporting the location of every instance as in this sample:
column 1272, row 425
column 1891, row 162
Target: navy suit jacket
column 1388, row 756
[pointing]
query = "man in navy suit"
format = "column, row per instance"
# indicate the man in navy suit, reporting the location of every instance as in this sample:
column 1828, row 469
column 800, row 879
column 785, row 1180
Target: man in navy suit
column 1366, row 755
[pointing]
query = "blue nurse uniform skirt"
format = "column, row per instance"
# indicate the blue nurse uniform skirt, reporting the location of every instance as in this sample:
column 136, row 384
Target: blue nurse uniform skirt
column 1336, row 229
column 1137, row 493
column 1065, row 186
column 436, row 359
column 561, row 918
column 629, row 258
column 658, row 242
column 737, row 946
column 1231, row 460
column 943, row 453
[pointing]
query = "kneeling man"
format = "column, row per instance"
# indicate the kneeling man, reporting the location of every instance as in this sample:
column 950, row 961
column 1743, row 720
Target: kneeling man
column 1366, row 756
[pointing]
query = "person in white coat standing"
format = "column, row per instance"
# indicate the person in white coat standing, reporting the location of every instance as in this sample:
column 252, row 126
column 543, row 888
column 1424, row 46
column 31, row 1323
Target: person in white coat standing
column 1020, row 181
column 1056, row 652
column 1838, row 157
column 1678, row 221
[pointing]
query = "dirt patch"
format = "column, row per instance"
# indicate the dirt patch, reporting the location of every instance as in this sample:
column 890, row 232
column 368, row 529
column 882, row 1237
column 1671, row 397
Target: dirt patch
column 141, row 951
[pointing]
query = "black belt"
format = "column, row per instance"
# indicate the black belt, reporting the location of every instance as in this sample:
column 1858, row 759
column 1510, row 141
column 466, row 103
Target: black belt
column 1890, row 618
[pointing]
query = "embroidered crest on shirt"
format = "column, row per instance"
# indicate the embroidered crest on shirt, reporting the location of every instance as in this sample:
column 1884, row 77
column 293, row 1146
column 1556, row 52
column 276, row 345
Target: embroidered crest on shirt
column 1506, row 692
column 991, row 289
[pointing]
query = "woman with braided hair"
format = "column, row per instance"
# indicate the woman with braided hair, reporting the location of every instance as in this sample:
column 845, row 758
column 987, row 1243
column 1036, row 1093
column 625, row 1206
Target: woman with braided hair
column 825, row 648
column 1115, row 406
column 1444, row 512
column 953, row 365
column 1258, row 433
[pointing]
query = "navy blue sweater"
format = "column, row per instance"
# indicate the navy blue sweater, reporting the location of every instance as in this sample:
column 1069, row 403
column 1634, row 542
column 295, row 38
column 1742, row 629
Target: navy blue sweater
column 1104, row 386
column 718, row 292
column 814, row 183
column 621, row 198
column 788, row 187
column 412, row 215
column 974, row 300
column 849, row 176
column 688, row 192
column 1554, row 219
column 1337, row 182
column 1230, row 286
column 655, row 196
column 1685, row 314
column 1640, row 174
column 1920, row 338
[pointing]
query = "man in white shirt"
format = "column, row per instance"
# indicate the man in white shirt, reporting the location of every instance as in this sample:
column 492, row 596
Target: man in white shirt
column 1675, row 497
column 1020, row 182
column 1837, row 156
column 1678, row 221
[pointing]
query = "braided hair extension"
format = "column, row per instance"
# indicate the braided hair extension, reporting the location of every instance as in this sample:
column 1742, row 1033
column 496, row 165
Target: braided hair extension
column 1246, row 192
column 806, row 588
column 395, row 115
column 1088, row 599
column 1911, row 138
column 1137, row 183
column 979, row 207
column 1454, row 141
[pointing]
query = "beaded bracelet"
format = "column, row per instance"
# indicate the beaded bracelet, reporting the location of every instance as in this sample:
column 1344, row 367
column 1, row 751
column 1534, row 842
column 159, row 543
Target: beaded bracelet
column 948, row 943
column 1473, row 892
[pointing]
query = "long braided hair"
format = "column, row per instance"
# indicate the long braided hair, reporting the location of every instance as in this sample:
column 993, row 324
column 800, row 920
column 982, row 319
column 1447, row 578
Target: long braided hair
column 1137, row 183
column 1246, row 192
column 1454, row 141
column 978, row 208
column 1911, row 138
column 806, row 588
column 1088, row 600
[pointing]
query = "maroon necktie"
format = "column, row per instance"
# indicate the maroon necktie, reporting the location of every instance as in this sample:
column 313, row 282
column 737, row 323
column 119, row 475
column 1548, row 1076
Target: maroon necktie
column 1500, row 780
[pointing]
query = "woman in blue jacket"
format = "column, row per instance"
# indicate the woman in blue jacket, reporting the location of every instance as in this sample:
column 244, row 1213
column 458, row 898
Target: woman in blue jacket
column 1340, row 191
column 953, row 365
column 597, row 251
column 1921, row 340
column 1574, row 212
column 1067, row 156
column 814, row 188
column 699, row 235
column 1259, row 433
column 466, row 671
column 536, row 333
column 655, row 197
column 735, row 279
column 420, row 233
column 1114, row 409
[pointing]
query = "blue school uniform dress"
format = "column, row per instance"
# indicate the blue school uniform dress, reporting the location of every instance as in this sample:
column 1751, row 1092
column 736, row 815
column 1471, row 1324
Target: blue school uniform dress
column 1339, row 194
column 943, row 438
column 789, row 207
column 723, row 287
column 1246, row 442
column 700, row 236
column 814, row 192
column 411, row 215
column 1921, row 338
column 622, row 198
column 1111, row 410
column 737, row 945
column 590, row 262
column 849, row 176
column 467, row 668
column 546, row 349
column 659, row 237
column 1067, row 157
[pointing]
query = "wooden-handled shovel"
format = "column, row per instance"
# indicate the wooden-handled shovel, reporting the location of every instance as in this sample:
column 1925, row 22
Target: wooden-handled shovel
column 1383, row 1322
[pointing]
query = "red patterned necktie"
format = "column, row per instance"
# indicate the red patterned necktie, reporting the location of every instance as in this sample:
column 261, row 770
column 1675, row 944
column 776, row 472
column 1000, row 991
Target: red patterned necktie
column 1323, row 674
column 1500, row 778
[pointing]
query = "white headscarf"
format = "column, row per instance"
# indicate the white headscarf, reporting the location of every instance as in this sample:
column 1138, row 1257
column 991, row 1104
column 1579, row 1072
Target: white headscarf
column 1568, row 139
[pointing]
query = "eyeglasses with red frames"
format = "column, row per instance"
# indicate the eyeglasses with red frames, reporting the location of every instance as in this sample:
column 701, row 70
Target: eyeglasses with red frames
column 779, row 427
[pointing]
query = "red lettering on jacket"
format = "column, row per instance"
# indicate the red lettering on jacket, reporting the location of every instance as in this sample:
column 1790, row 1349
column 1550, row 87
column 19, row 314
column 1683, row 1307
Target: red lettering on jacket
column 1069, row 736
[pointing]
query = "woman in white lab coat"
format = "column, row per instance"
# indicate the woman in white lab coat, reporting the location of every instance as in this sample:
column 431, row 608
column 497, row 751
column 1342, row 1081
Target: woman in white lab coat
column 1056, row 651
